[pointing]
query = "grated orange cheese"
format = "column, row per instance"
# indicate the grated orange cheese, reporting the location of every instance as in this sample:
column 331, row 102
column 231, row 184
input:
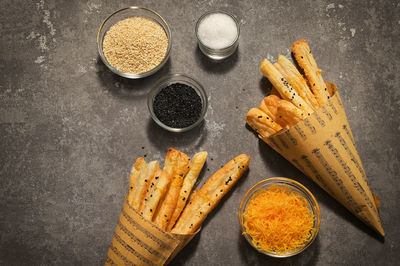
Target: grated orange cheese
column 278, row 220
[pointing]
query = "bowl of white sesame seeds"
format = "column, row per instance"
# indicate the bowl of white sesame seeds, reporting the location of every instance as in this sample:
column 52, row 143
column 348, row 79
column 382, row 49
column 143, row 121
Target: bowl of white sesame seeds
column 134, row 42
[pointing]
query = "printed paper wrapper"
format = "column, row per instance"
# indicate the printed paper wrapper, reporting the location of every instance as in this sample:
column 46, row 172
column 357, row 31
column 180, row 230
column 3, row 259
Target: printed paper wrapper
column 137, row 241
column 322, row 147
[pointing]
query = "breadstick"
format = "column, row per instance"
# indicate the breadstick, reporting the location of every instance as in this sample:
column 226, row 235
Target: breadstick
column 177, row 165
column 293, row 76
column 289, row 112
column 211, row 193
column 140, row 186
column 196, row 164
column 306, row 61
column 136, row 170
column 284, row 88
column 157, row 188
column 262, row 123
column 152, row 167
column 270, row 111
column 269, row 105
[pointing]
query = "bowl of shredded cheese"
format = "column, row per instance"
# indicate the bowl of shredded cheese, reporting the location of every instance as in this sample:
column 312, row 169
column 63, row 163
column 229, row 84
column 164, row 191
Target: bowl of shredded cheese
column 134, row 42
column 279, row 217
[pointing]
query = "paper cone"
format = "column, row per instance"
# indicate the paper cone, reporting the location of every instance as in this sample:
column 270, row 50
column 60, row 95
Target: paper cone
column 137, row 241
column 322, row 147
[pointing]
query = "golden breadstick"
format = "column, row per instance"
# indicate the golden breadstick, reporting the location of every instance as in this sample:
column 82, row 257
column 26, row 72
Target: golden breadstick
column 289, row 112
column 306, row 61
column 266, row 108
column 262, row 123
column 140, row 186
column 152, row 167
column 137, row 168
column 177, row 165
column 158, row 186
column 211, row 193
column 284, row 88
column 196, row 165
column 269, row 105
column 293, row 76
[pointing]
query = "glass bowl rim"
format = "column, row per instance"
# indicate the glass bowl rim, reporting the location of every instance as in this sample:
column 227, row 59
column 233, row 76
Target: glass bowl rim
column 165, row 27
column 215, row 12
column 290, row 183
column 193, row 83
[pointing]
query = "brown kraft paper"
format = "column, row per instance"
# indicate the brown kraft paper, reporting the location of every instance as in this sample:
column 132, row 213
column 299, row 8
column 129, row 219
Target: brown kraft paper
column 137, row 241
column 322, row 147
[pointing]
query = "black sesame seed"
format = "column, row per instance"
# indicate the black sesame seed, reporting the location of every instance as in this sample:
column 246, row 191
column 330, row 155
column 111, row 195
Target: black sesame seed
column 156, row 177
column 142, row 148
column 165, row 215
column 183, row 198
column 267, row 117
column 328, row 96
column 151, row 210
column 260, row 116
column 301, row 57
column 145, row 155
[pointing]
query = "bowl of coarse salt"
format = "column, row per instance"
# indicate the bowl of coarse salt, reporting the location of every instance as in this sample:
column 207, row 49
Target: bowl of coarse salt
column 134, row 42
column 217, row 34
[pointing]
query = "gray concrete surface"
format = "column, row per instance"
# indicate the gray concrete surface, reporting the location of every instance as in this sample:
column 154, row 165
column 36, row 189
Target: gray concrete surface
column 70, row 129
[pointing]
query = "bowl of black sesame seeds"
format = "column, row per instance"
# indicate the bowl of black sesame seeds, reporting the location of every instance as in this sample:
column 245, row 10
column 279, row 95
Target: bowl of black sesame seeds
column 177, row 103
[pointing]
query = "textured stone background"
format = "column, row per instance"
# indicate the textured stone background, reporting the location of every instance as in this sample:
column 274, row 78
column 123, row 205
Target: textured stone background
column 70, row 129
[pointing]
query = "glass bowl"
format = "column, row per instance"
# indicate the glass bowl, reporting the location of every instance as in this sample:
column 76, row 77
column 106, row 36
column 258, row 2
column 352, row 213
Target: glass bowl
column 294, row 186
column 217, row 54
column 171, row 79
column 128, row 12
